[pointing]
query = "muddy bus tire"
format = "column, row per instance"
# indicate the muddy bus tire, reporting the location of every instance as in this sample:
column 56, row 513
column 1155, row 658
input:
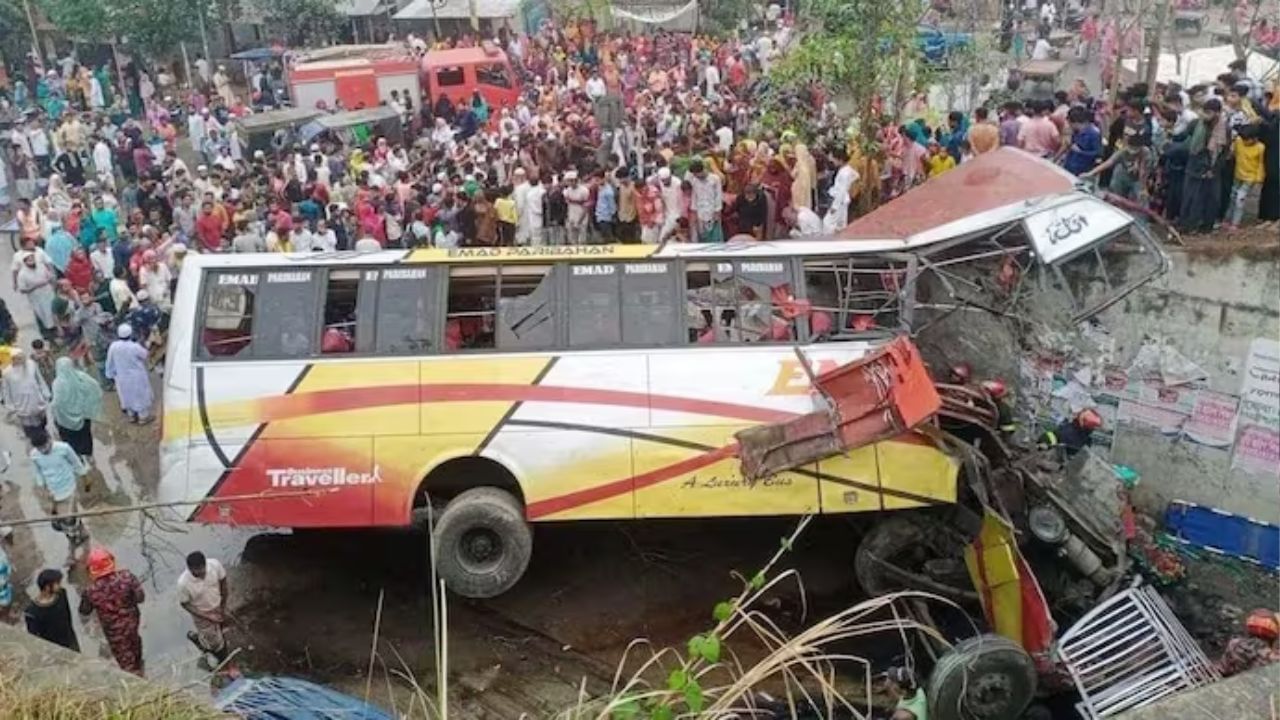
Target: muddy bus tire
column 482, row 543
column 987, row 677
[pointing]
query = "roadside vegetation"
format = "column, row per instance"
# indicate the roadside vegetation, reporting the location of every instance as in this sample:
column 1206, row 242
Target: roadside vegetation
column 21, row 699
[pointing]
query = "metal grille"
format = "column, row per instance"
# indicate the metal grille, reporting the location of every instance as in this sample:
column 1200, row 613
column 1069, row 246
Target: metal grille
column 1132, row 651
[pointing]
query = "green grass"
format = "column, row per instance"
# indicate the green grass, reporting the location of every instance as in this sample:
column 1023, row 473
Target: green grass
column 21, row 699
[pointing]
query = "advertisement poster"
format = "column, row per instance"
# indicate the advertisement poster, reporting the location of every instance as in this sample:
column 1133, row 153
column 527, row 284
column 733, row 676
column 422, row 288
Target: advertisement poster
column 1213, row 419
column 1260, row 385
column 1258, row 443
column 1257, row 450
column 1166, row 421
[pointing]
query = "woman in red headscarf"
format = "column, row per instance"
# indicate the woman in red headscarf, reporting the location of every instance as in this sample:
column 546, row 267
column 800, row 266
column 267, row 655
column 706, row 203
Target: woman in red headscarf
column 371, row 224
column 115, row 595
column 79, row 271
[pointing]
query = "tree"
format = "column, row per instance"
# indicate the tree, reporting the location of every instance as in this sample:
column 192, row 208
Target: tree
column 154, row 28
column 15, row 34
column 302, row 22
column 855, row 48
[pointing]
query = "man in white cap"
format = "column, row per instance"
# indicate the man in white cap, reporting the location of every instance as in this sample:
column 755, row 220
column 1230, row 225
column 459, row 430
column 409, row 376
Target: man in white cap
column 127, row 366
column 578, row 198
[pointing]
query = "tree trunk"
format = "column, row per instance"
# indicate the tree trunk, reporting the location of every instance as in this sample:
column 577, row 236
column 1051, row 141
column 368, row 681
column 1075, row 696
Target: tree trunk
column 1153, row 54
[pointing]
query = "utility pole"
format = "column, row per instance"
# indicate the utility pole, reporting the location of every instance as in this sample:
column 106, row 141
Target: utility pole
column 204, row 36
column 35, row 38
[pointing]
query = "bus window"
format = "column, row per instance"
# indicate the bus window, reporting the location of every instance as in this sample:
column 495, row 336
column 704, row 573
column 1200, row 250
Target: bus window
column 764, row 294
column 341, row 305
column 449, row 76
column 648, row 304
column 593, row 306
column 285, row 331
column 469, row 319
column 494, row 74
column 406, row 311
column 709, row 306
column 228, row 315
column 526, row 317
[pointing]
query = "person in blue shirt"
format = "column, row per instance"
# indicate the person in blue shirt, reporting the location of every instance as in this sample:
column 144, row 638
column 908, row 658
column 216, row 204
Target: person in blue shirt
column 57, row 469
column 105, row 219
column 1086, row 142
column 606, row 207
column 58, row 246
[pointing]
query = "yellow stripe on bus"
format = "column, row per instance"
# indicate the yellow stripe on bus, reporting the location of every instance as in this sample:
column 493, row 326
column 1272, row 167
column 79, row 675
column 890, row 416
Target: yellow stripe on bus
column 550, row 252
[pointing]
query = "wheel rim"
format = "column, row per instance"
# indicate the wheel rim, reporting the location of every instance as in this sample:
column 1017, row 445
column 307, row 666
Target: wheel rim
column 480, row 550
column 990, row 695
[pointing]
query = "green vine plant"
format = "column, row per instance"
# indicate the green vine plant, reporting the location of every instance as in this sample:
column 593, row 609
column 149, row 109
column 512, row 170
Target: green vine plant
column 706, row 680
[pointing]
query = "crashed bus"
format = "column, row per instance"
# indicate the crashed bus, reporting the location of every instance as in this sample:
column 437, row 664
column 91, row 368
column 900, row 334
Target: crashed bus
column 499, row 387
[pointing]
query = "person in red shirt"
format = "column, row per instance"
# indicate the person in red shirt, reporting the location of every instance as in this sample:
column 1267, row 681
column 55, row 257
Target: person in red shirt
column 209, row 229
column 650, row 211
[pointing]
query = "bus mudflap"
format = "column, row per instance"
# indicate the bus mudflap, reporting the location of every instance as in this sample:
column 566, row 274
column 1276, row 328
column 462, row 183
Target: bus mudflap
column 876, row 397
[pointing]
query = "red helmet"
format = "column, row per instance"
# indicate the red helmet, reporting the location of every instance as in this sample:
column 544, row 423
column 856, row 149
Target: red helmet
column 100, row 562
column 1089, row 420
column 995, row 388
column 961, row 373
column 1263, row 624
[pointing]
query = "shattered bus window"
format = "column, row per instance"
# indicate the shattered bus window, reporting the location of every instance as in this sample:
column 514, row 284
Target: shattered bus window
column 850, row 298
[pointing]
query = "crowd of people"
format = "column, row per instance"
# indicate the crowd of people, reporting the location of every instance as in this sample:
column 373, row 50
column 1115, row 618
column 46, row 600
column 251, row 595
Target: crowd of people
column 617, row 137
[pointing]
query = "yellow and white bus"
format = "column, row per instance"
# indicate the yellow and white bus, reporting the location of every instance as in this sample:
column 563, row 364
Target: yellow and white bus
column 518, row 385
column 531, row 384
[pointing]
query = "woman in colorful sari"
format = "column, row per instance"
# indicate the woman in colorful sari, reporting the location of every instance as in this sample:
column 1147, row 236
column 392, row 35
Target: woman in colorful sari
column 804, row 173
column 740, row 170
column 104, row 80
column 115, row 595
column 778, row 179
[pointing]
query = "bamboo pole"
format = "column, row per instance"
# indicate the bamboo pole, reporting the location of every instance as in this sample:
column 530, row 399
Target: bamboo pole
column 151, row 506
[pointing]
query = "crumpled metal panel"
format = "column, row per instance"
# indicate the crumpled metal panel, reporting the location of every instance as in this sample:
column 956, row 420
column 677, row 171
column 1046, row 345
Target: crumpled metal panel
column 879, row 396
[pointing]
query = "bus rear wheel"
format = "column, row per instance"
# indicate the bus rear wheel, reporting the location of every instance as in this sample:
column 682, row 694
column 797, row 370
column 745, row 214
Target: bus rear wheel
column 482, row 543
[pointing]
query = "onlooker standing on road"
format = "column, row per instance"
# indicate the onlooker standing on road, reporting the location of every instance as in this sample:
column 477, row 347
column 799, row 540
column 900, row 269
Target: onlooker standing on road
column 127, row 367
column 202, row 591
column 48, row 615
column 115, row 595
column 25, row 393
column 57, row 470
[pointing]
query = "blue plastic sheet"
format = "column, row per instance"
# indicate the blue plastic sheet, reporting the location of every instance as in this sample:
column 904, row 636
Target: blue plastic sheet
column 283, row 698
column 1222, row 532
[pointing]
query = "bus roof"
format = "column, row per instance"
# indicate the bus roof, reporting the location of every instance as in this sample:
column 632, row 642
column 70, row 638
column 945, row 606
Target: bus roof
column 604, row 253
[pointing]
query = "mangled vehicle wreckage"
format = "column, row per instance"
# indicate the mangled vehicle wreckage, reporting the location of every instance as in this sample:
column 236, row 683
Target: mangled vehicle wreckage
column 1033, row 537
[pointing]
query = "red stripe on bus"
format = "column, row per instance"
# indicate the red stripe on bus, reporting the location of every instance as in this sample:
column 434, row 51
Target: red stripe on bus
column 341, row 399
column 568, row 501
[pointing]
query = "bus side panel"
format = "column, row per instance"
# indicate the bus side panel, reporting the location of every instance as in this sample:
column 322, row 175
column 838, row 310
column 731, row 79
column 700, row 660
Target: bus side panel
column 475, row 394
column 914, row 473
column 322, row 482
column 403, row 462
column 569, row 474
column 851, row 482
column 693, row 472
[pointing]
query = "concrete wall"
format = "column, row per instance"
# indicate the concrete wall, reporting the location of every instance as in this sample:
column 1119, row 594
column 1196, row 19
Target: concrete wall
column 1210, row 311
